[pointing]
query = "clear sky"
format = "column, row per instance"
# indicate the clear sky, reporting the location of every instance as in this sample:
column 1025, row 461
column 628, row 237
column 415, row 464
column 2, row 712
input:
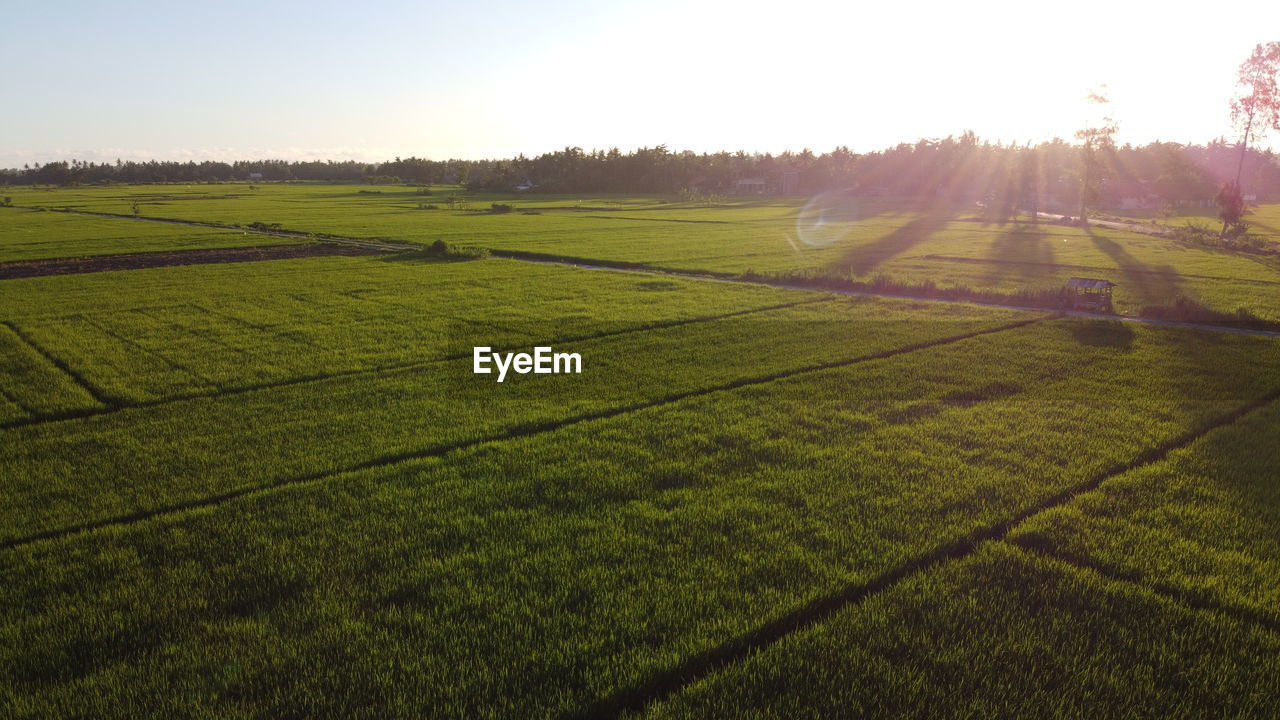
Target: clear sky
column 375, row 79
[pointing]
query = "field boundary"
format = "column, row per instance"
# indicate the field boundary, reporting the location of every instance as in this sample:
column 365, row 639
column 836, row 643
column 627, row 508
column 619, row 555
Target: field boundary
column 667, row 683
column 1191, row 600
column 98, row 395
column 514, row 433
column 118, row 406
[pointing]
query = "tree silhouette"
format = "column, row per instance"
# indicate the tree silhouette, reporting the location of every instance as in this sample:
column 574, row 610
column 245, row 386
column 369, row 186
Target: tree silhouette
column 1096, row 140
column 1257, row 106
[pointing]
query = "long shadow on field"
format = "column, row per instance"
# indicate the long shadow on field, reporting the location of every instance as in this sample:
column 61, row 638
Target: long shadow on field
column 862, row 259
column 1022, row 255
column 1148, row 284
column 427, row 256
column 1103, row 333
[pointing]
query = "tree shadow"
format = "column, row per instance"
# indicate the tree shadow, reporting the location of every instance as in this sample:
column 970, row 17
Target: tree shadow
column 427, row 256
column 862, row 259
column 1020, row 254
column 1148, row 284
column 1103, row 333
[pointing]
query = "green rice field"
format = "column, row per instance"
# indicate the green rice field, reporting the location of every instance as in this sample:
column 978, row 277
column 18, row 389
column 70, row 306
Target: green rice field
column 277, row 488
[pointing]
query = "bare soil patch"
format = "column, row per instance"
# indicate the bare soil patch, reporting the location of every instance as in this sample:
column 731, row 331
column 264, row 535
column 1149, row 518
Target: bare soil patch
column 138, row 261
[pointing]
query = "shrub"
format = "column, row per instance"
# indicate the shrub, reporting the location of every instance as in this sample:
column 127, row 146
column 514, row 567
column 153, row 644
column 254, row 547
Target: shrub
column 440, row 248
column 501, row 208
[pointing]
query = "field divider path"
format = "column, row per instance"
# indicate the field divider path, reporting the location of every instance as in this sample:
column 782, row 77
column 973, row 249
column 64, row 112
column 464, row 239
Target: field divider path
column 115, row 405
column 668, row 683
column 517, row 432
column 646, row 269
column 1184, row 598
column 109, row 403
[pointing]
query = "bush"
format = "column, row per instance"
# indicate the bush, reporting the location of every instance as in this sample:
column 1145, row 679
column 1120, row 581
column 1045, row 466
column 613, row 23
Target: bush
column 1196, row 232
column 501, row 208
column 440, row 248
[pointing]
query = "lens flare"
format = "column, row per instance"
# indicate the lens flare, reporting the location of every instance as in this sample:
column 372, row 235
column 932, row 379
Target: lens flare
column 826, row 219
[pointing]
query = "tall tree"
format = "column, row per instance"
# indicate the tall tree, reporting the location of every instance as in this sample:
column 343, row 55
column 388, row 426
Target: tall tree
column 1096, row 142
column 1256, row 107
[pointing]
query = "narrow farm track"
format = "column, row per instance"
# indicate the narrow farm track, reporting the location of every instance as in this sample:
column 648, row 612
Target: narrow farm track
column 696, row 668
column 114, row 405
column 525, row 431
column 595, row 264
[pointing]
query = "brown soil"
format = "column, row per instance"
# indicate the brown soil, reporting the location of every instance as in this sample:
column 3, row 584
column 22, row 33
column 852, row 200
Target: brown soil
column 138, row 261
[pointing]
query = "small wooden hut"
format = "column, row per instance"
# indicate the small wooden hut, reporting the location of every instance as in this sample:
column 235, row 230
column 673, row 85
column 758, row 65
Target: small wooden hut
column 1090, row 294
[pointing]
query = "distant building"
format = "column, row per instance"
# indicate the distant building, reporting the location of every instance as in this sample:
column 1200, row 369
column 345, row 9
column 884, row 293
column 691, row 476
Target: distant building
column 255, row 176
column 749, row 186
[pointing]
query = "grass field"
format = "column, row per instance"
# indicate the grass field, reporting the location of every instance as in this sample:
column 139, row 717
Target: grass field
column 41, row 235
column 277, row 489
column 945, row 245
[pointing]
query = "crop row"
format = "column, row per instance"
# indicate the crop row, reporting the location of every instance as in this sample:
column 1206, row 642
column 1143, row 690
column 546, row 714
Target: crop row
column 90, row 469
column 534, row 576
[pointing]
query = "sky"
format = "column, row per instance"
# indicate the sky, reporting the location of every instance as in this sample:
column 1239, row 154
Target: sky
column 378, row 79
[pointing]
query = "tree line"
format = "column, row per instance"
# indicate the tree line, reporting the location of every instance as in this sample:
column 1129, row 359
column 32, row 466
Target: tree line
column 961, row 168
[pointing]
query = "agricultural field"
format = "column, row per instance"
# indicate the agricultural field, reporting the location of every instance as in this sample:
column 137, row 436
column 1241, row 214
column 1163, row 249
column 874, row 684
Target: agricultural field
column 832, row 235
column 34, row 235
column 277, row 488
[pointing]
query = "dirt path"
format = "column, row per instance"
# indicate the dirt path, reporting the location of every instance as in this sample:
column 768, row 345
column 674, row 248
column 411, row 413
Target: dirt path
column 1112, row 224
column 137, row 261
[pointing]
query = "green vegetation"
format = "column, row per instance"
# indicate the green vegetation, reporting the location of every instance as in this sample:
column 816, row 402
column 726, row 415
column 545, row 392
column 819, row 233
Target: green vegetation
column 534, row 575
column 948, row 245
column 145, row 336
column 1003, row 634
column 1202, row 525
column 31, row 385
column 26, row 235
column 267, row 489
column 148, row 458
